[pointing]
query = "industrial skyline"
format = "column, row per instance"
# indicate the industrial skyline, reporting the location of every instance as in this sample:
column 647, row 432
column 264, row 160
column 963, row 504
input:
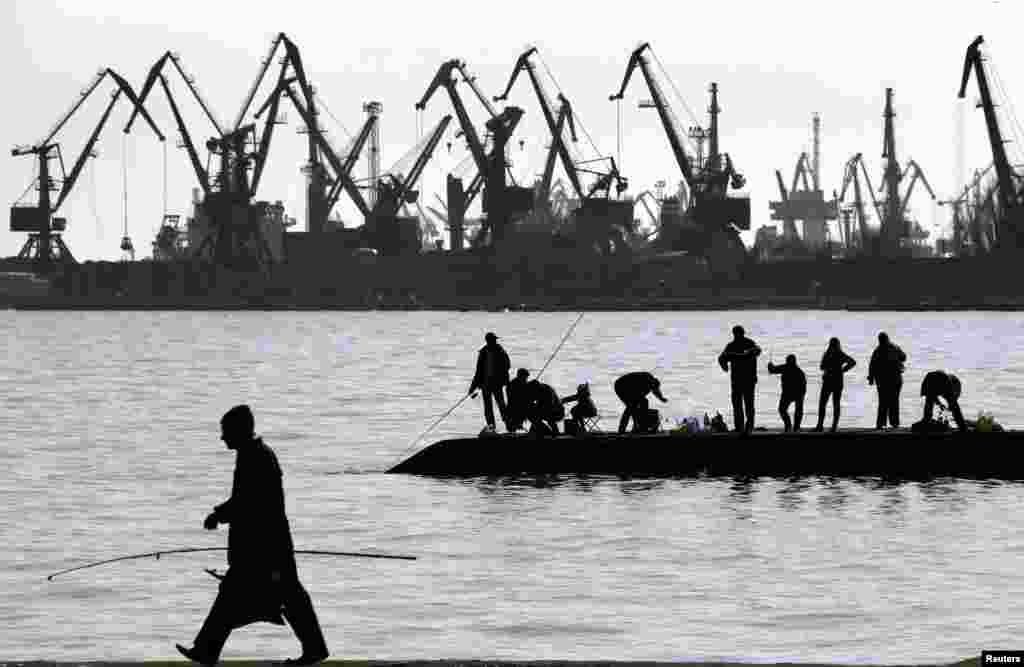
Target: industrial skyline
column 768, row 88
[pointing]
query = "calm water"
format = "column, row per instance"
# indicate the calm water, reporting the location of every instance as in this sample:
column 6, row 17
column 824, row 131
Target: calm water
column 110, row 447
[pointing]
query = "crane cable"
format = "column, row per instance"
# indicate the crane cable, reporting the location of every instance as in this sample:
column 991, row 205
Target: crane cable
column 124, row 179
column 577, row 119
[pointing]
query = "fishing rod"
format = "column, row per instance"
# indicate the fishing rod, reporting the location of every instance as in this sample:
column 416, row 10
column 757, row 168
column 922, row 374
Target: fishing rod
column 461, row 400
column 560, row 344
column 157, row 554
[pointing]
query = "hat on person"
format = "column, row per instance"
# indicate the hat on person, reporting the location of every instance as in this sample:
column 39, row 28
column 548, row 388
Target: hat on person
column 490, row 336
column 522, row 372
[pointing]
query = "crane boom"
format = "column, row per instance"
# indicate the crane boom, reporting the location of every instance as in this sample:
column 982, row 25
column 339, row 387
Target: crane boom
column 69, row 182
column 332, row 157
column 156, row 71
column 637, row 59
column 1009, row 199
column 350, row 159
column 917, row 173
column 264, row 66
column 197, row 166
column 428, row 151
column 524, row 63
column 444, row 78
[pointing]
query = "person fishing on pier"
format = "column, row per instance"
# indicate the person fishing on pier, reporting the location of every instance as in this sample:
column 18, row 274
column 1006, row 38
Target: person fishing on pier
column 584, row 408
column 262, row 582
column 834, row 364
column 938, row 385
column 885, row 371
column 632, row 390
column 491, row 377
column 518, row 404
column 739, row 359
column 543, row 408
column 794, row 388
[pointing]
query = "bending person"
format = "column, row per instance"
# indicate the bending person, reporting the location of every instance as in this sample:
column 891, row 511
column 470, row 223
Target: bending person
column 940, row 384
column 632, row 390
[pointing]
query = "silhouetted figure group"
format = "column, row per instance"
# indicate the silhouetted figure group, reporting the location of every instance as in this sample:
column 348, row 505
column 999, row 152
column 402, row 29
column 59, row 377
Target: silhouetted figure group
column 538, row 403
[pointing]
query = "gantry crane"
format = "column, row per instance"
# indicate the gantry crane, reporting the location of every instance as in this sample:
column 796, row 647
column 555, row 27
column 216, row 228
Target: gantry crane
column 45, row 246
column 233, row 235
column 394, row 190
column 501, row 202
column 381, row 226
column 805, row 200
column 865, row 239
column 715, row 214
column 572, row 168
column 596, row 218
column 899, row 235
column 967, row 225
column 1009, row 225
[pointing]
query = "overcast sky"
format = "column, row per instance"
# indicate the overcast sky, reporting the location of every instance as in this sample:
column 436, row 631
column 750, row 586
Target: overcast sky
column 775, row 64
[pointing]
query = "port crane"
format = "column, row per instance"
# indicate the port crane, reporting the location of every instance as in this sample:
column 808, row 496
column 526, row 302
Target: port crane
column 804, row 200
column 559, row 147
column 1009, row 225
column 595, row 216
column 851, row 174
column 501, row 202
column 709, row 180
column 233, row 237
column 381, row 226
column 44, row 246
column 968, row 227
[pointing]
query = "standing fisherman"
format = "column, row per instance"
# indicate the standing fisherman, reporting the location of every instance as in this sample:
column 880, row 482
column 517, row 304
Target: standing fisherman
column 491, row 377
column 834, row 364
column 885, row 371
column 262, row 583
column 740, row 357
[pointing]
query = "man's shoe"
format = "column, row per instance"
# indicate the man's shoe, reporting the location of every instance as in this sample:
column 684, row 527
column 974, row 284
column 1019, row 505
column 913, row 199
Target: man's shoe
column 194, row 656
column 306, row 659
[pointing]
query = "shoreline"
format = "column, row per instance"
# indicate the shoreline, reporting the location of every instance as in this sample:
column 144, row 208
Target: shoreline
column 36, row 304
column 254, row 662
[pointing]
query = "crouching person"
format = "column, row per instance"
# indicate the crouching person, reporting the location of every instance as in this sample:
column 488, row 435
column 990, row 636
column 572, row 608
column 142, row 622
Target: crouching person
column 584, row 408
column 544, row 409
column 941, row 385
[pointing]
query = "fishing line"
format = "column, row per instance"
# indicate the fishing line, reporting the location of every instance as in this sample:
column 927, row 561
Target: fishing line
column 560, row 344
column 157, row 555
column 462, row 400
column 431, row 427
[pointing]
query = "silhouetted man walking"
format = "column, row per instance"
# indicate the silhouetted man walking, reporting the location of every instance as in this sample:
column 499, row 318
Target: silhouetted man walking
column 262, row 583
column 940, row 384
column 632, row 390
column 491, row 377
column 740, row 358
column 885, row 371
